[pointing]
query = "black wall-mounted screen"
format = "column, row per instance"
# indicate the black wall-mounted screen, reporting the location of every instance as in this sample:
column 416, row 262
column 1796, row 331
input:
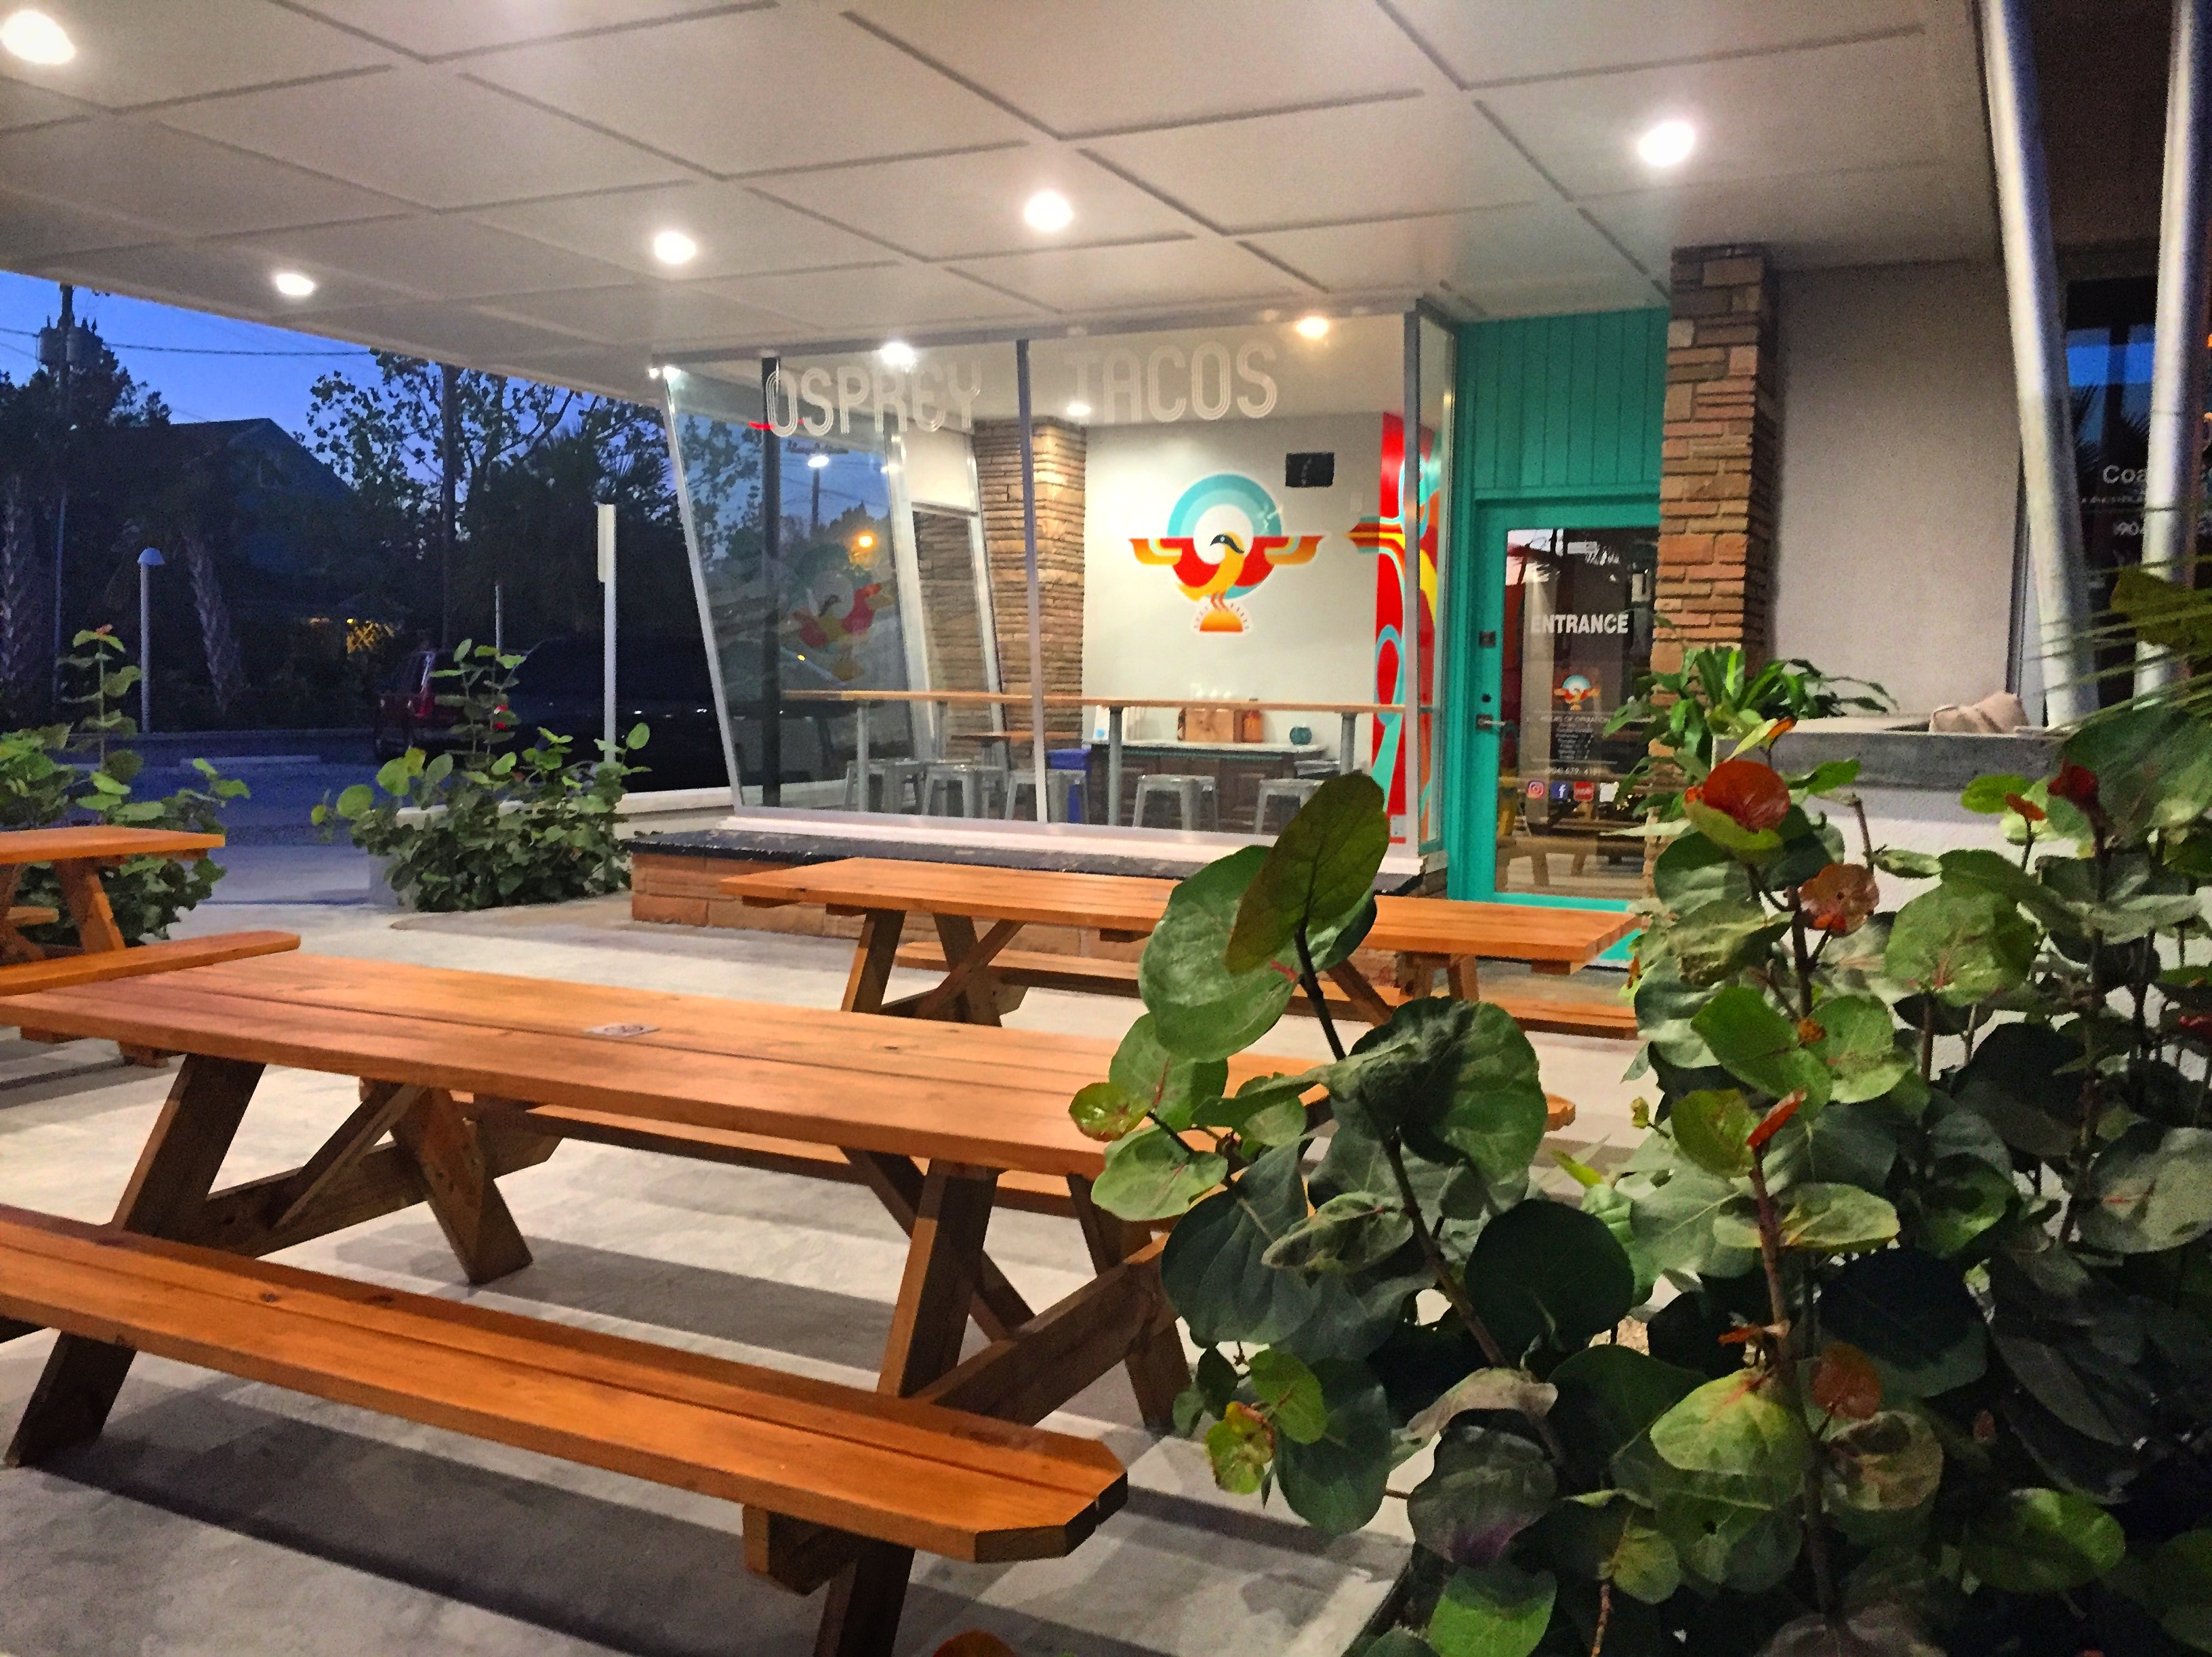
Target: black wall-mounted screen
column 1309, row 471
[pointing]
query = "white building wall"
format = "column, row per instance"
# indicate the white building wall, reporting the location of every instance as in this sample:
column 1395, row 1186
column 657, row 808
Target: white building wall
column 1901, row 478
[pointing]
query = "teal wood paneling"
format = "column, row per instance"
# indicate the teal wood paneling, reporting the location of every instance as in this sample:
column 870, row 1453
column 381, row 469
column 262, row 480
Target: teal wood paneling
column 1560, row 420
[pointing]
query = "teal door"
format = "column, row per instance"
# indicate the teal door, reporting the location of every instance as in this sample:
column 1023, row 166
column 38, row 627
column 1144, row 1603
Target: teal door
column 1558, row 454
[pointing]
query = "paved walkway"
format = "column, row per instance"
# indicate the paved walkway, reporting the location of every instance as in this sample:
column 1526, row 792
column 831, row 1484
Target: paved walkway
column 218, row 1517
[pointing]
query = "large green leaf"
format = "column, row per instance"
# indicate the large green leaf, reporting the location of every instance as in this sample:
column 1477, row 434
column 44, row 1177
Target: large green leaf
column 2149, row 1191
column 1858, row 1045
column 1200, row 1008
column 2037, row 1541
column 1167, row 1084
column 1485, row 1487
column 1319, row 870
column 1912, row 1314
column 2153, row 765
column 1293, row 1393
column 1336, row 1482
column 1890, row 1462
column 1739, row 1530
column 2181, row 1588
column 1740, row 1425
column 1153, row 1176
column 1546, row 1276
column 1824, row 1218
column 1712, row 1128
column 1455, row 1079
column 1961, row 943
column 1665, row 1005
column 1693, row 870
column 1759, row 1046
column 1608, row 1396
column 2026, row 1081
column 1881, row 1629
column 1712, row 941
column 1673, row 1211
column 1213, row 1267
column 1498, row 1612
column 1347, row 1233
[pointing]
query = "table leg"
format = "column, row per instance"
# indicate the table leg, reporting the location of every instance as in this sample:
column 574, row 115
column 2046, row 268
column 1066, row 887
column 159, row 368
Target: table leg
column 442, row 1142
column 87, row 906
column 1365, row 1001
column 174, row 1175
column 872, row 961
column 943, row 1267
column 966, row 978
column 1000, row 1309
column 978, row 1001
column 1157, row 1369
column 14, row 946
column 1462, row 978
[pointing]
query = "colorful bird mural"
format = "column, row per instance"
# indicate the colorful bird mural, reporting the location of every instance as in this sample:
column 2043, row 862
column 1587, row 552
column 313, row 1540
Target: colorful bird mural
column 823, row 628
column 1216, row 583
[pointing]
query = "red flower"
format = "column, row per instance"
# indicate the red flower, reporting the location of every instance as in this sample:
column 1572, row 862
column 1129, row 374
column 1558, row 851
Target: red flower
column 2076, row 785
column 1750, row 794
column 2198, row 1024
column 1839, row 899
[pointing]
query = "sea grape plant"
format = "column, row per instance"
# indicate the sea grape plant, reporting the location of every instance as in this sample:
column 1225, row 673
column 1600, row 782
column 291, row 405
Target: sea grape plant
column 1917, row 1235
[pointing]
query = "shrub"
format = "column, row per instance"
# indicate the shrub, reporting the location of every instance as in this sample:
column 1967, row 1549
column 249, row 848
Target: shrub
column 481, row 828
column 79, row 771
column 1929, row 1193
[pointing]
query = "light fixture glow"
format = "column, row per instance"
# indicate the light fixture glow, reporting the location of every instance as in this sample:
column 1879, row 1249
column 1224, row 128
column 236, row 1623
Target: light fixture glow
column 864, row 540
column 817, row 461
column 36, row 38
column 1667, row 144
column 896, row 354
column 674, row 247
column 1047, row 210
column 1311, row 327
column 1078, row 410
column 292, row 284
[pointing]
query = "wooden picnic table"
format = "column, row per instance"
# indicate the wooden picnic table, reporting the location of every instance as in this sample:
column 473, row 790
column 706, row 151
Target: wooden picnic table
column 78, row 854
column 475, row 1075
column 1429, row 935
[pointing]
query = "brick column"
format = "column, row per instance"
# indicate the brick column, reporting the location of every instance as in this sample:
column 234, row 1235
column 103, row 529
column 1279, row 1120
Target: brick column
column 1060, row 460
column 1720, row 455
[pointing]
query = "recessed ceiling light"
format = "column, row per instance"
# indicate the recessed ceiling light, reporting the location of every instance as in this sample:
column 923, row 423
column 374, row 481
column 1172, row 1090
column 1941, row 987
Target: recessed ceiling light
column 292, row 284
column 674, row 247
column 36, row 38
column 1311, row 327
column 1667, row 144
column 1047, row 210
column 1078, row 410
column 817, row 461
column 896, row 354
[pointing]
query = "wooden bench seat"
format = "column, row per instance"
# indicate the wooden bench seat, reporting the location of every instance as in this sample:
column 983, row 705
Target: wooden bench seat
column 164, row 956
column 897, row 1471
column 1104, row 975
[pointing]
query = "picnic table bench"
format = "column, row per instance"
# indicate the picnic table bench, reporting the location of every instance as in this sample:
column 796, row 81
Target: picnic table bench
column 1430, row 936
column 475, row 1075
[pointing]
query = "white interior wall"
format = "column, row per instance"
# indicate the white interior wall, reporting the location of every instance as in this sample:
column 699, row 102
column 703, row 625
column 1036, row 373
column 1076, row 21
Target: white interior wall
column 1901, row 469
column 1310, row 628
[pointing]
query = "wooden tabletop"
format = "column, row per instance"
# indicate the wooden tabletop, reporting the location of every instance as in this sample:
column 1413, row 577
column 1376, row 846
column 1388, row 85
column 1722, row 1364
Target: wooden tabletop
column 997, row 1098
column 1123, row 903
column 97, row 842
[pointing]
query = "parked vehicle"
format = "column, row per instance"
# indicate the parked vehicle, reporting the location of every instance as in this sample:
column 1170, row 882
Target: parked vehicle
column 661, row 680
column 407, row 714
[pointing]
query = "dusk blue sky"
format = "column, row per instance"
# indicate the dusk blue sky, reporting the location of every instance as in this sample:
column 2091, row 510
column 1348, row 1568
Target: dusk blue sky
column 195, row 384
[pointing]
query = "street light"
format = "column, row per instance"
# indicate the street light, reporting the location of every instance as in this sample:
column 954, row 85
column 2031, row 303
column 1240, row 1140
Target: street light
column 149, row 561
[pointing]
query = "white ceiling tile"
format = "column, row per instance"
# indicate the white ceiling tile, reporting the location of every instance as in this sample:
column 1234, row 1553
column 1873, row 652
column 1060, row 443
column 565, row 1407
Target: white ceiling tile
column 32, row 230
column 1496, row 243
column 1868, row 103
column 144, row 51
column 889, row 296
column 1128, row 278
column 647, row 313
column 442, row 331
column 610, row 371
column 436, row 257
column 1371, row 161
column 164, row 178
column 1488, row 40
column 226, row 278
column 1547, row 295
column 441, row 28
column 1089, row 66
column 755, row 91
column 944, row 206
column 738, row 232
column 24, row 106
column 426, row 136
column 1900, row 215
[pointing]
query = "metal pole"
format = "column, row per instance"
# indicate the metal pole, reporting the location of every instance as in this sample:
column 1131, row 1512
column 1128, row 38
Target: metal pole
column 499, row 618
column 1409, row 631
column 2038, row 353
column 1029, row 571
column 2173, row 482
column 607, row 704
column 63, row 374
column 861, row 758
column 1114, row 767
column 149, row 561
column 771, row 667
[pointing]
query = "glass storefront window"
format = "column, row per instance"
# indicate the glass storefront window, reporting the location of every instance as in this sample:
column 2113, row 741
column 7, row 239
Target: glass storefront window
column 1578, row 625
column 1219, row 548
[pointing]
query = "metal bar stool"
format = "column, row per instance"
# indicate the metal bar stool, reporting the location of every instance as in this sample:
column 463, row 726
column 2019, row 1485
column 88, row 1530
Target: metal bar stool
column 1195, row 800
column 1063, row 793
column 1288, row 792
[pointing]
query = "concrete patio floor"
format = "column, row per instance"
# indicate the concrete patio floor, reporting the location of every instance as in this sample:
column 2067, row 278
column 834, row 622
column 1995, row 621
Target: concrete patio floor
column 218, row 1517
